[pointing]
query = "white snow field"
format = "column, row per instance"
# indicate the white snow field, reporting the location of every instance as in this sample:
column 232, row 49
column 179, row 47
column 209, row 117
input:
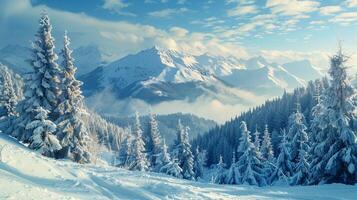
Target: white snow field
column 25, row 174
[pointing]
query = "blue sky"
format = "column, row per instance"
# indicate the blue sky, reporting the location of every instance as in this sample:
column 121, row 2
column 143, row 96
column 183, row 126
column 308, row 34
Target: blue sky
column 276, row 28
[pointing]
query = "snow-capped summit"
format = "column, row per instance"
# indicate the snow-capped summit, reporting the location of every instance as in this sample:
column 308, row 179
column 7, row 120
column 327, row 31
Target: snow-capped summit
column 158, row 74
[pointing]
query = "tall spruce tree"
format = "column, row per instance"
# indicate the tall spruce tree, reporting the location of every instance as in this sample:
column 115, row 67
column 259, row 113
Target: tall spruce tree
column 186, row 160
column 266, row 147
column 220, row 171
column 154, row 147
column 250, row 165
column 42, row 84
column 139, row 161
column 233, row 175
column 283, row 168
column 71, row 132
column 335, row 155
column 257, row 138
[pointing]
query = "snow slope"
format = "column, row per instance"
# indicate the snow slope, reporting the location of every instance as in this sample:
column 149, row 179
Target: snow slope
column 26, row 175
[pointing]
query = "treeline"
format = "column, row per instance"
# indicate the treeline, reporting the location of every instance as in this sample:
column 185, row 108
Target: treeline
column 313, row 137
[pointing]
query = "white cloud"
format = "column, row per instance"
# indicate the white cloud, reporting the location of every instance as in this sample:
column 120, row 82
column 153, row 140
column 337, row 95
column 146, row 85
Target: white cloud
column 351, row 3
column 345, row 18
column 292, row 7
column 329, row 10
column 117, row 6
column 242, row 10
column 166, row 13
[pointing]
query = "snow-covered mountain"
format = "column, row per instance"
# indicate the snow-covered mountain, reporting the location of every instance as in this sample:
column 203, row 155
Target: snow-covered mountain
column 157, row 75
column 87, row 58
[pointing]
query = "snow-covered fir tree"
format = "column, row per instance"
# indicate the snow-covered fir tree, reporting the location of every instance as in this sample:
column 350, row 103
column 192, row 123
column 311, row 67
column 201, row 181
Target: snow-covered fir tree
column 266, row 148
column 177, row 146
column 297, row 134
column 125, row 152
column 154, row 147
column 43, row 138
column 139, row 159
column 71, row 132
column 315, row 114
column 250, row 165
column 283, row 168
column 42, row 87
column 257, row 141
column 233, row 175
column 186, row 160
column 199, row 162
column 163, row 157
column 335, row 155
column 301, row 171
column 8, row 97
column 220, row 172
column 168, row 166
column 172, row 168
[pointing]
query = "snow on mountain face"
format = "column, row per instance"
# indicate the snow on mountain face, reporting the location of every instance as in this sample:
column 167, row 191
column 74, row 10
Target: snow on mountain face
column 157, row 75
column 24, row 174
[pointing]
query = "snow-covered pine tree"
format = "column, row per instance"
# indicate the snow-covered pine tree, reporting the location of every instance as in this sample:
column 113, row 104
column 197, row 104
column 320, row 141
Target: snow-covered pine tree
column 301, row 171
column 200, row 162
column 125, row 152
column 139, row 160
column 172, row 168
column 42, row 84
column 283, row 168
column 154, row 147
column 257, row 138
column 163, row 158
column 168, row 166
column 177, row 146
column 233, row 176
column 266, row 148
column 220, row 172
column 297, row 132
column 250, row 165
column 187, row 157
column 8, row 98
column 43, row 138
column 334, row 157
column 71, row 132
column 315, row 114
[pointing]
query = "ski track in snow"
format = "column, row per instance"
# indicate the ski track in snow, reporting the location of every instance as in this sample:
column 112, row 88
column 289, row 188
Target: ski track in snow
column 26, row 175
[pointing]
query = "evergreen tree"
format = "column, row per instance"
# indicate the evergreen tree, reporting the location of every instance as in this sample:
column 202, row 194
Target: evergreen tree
column 233, row 176
column 283, row 167
column 297, row 132
column 71, row 132
column 8, row 97
column 266, row 147
column 250, row 166
column 200, row 162
column 43, row 139
column 172, row 168
column 257, row 138
column 301, row 172
column 154, row 144
column 334, row 156
column 42, row 84
column 139, row 160
column 315, row 114
column 163, row 158
column 220, row 172
column 125, row 152
column 187, row 157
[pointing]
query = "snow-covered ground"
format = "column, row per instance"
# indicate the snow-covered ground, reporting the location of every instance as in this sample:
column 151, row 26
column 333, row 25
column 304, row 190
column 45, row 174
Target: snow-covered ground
column 26, row 175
